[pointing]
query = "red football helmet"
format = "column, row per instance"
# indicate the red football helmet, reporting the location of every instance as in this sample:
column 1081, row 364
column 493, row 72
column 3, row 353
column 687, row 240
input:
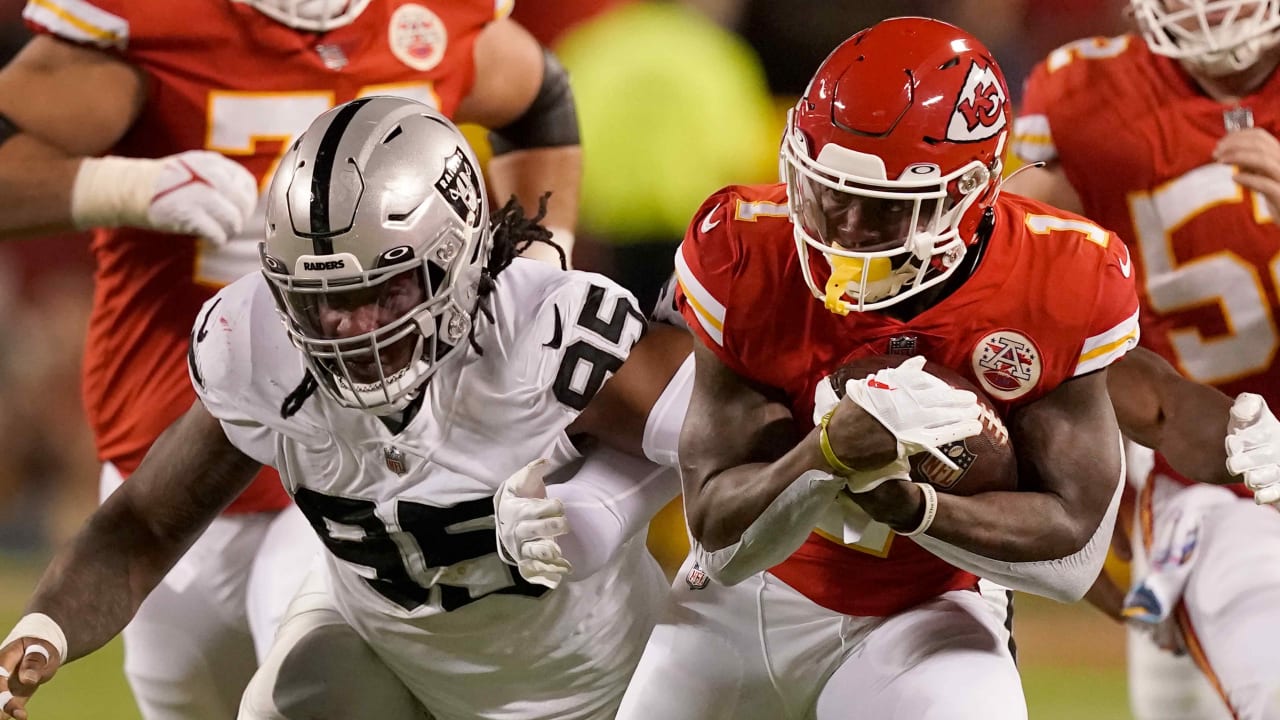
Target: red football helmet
column 891, row 158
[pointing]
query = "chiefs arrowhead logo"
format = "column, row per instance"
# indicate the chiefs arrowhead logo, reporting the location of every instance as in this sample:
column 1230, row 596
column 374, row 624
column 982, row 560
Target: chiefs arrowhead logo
column 980, row 110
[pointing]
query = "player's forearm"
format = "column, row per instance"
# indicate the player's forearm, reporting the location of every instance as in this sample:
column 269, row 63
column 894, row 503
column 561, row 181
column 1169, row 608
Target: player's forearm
column 1010, row 526
column 35, row 187
column 94, row 586
column 190, row 475
column 1193, row 426
column 724, row 505
column 529, row 174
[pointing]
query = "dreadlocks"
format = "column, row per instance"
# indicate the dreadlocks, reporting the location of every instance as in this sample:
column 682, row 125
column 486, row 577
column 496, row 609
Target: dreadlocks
column 513, row 233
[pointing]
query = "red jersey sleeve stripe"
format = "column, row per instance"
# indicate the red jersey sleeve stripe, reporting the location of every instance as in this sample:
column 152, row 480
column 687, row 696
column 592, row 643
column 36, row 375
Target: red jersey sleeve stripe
column 708, row 310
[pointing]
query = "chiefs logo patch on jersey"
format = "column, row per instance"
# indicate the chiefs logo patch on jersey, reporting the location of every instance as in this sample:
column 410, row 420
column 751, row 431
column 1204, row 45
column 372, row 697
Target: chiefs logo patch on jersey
column 417, row 36
column 980, row 110
column 1007, row 364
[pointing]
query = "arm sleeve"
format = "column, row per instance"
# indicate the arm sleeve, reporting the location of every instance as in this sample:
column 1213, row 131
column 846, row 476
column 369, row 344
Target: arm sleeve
column 1064, row 579
column 608, row 501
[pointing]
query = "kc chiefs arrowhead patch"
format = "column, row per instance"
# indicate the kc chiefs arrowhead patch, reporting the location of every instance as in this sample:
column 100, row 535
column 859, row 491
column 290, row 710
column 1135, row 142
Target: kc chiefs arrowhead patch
column 980, row 109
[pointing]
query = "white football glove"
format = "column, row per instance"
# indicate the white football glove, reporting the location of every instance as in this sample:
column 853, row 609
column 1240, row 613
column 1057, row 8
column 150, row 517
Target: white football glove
column 921, row 411
column 197, row 192
column 1253, row 447
column 824, row 401
column 527, row 524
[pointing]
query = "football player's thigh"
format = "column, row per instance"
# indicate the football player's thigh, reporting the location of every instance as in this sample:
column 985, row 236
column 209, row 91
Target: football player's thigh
column 318, row 667
column 999, row 601
column 286, row 553
column 188, row 652
column 943, row 660
column 706, row 658
column 1231, row 605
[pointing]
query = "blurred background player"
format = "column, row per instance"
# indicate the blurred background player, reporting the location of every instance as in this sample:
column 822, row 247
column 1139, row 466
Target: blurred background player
column 1168, row 137
column 193, row 130
column 889, row 236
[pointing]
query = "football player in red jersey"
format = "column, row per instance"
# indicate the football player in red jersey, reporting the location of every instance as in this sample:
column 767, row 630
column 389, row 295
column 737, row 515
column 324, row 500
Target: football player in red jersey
column 890, row 235
column 1169, row 138
column 192, row 108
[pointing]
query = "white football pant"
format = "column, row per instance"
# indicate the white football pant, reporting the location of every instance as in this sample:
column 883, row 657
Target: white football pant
column 761, row 650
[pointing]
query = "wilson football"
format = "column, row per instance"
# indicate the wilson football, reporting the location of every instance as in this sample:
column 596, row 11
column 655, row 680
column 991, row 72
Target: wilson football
column 985, row 462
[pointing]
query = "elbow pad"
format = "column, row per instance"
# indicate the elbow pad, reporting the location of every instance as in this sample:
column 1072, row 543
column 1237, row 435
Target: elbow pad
column 779, row 531
column 1065, row 579
column 551, row 120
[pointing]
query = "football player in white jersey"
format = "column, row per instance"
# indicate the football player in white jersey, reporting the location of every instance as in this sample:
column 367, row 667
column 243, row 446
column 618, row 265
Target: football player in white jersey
column 420, row 363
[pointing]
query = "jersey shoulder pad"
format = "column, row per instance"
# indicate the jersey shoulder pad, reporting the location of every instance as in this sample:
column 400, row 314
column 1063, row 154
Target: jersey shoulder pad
column 1072, row 79
column 567, row 332
column 240, row 360
column 1100, row 301
column 736, row 233
column 98, row 23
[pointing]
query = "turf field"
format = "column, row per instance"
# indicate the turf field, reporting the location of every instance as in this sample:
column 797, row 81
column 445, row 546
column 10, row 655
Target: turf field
column 1071, row 662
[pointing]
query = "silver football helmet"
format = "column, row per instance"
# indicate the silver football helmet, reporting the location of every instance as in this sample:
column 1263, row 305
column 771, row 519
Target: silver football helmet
column 310, row 15
column 377, row 233
column 1218, row 37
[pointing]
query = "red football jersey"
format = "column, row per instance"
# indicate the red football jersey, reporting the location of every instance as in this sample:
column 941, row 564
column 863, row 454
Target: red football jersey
column 1135, row 137
column 1050, row 299
column 225, row 77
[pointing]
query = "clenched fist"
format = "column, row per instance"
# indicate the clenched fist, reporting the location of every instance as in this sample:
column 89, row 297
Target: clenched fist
column 197, row 192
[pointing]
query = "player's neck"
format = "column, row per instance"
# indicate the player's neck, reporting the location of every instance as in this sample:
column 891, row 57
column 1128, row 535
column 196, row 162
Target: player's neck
column 1232, row 88
column 927, row 299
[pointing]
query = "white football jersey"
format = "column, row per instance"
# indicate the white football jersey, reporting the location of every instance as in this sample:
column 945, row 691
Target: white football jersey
column 408, row 517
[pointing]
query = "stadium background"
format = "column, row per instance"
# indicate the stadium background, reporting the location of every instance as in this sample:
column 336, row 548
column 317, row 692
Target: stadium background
column 676, row 99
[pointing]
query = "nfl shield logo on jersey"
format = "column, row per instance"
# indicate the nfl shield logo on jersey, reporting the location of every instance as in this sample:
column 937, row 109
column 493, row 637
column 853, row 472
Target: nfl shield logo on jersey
column 697, row 578
column 903, row 345
column 395, row 460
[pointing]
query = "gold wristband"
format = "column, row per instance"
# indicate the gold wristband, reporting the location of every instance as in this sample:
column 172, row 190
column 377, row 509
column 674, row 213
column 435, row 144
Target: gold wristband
column 827, row 453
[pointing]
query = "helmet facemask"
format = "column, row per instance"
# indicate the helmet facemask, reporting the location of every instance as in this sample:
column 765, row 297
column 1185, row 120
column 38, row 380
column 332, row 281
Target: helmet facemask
column 310, row 15
column 374, row 337
column 378, row 234
column 883, row 240
column 1216, row 37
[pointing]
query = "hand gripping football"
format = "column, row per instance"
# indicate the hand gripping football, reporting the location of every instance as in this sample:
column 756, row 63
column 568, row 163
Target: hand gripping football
column 985, row 462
